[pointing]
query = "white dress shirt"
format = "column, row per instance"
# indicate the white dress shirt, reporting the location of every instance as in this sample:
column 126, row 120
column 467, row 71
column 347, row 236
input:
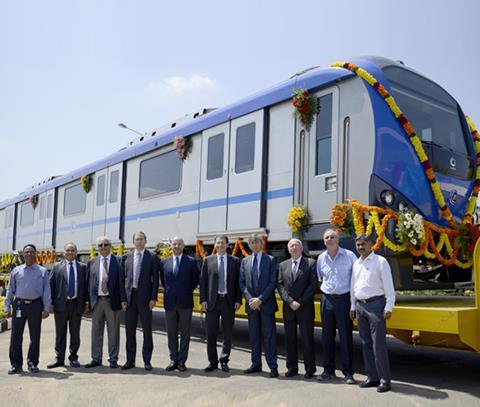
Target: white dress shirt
column 100, row 292
column 336, row 273
column 74, row 264
column 225, row 268
column 372, row 277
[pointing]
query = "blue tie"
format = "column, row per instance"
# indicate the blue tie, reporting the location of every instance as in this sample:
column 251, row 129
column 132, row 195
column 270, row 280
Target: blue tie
column 255, row 275
column 176, row 267
column 71, row 282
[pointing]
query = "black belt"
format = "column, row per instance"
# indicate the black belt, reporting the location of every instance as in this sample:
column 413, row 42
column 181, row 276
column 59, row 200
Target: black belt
column 222, row 295
column 103, row 296
column 334, row 296
column 27, row 301
column 72, row 299
column 371, row 299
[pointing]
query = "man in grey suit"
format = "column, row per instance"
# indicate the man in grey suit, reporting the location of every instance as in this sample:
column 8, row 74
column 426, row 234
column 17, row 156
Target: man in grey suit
column 139, row 290
column 68, row 284
column 297, row 283
column 258, row 279
column 105, row 303
column 220, row 296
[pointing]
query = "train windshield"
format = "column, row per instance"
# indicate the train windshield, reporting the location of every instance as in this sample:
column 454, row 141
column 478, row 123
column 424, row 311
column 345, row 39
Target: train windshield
column 434, row 114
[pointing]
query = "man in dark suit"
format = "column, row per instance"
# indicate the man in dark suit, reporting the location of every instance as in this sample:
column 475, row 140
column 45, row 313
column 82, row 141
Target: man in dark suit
column 258, row 279
column 104, row 281
column 139, row 289
column 68, row 283
column 220, row 296
column 297, row 283
column 180, row 276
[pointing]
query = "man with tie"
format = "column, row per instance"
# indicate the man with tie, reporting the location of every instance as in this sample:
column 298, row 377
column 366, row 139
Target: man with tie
column 139, row 290
column 68, row 283
column 104, row 281
column 180, row 276
column 28, row 300
column 297, row 283
column 220, row 296
column 258, row 279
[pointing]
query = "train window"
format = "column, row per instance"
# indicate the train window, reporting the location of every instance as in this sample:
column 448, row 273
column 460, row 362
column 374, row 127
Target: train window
column 75, row 200
column 26, row 214
column 100, row 190
column 215, row 156
column 113, row 194
column 49, row 206
column 324, row 136
column 160, row 174
column 41, row 208
column 245, row 148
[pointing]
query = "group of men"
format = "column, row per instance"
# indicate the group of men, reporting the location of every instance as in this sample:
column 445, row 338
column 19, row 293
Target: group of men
column 351, row 288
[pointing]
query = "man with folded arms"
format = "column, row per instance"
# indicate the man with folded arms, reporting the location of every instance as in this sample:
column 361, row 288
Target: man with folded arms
column 372, row 299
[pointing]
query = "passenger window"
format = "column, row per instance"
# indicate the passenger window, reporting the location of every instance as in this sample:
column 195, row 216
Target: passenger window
column 100, row 190
column 160, row 174
column 215, row 156
column 26, row 214
column 245, row 148
column 324, row 136
column 75, row 200
column 113, row 195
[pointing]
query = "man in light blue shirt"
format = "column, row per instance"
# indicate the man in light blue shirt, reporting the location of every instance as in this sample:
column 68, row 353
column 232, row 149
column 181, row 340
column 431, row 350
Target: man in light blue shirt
column 28, row 300
column 334, row 269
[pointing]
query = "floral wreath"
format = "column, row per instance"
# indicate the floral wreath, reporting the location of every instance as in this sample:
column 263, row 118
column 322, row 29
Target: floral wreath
column 183, row 146
column 305, row 107
column 33, row 201
column 87, row 182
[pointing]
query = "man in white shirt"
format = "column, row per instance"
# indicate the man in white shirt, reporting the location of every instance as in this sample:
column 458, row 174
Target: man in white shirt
column 372, row 299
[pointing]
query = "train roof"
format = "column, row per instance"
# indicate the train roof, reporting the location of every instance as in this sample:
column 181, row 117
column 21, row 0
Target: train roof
column 311, row 79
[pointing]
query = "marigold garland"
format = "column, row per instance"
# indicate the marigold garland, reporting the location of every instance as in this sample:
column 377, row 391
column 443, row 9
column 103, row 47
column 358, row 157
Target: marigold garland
column 87, row 182
column 298, row 218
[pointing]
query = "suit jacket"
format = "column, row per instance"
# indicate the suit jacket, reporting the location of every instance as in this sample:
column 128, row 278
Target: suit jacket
column 178, row 290
column 59, row 285
column 147, row 280
column 300, row 289
column 114, row 277
column 209, row 281
column 266, row 283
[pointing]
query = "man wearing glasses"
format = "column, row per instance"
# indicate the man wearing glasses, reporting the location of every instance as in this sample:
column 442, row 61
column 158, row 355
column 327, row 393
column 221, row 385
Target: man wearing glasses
column 105, row 303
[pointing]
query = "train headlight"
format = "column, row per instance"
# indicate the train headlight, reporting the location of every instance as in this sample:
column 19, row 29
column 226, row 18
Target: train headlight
column 402, row 206
column 387, row 197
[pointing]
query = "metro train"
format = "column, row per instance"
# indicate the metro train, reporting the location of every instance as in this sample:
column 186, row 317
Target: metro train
column 252, row 160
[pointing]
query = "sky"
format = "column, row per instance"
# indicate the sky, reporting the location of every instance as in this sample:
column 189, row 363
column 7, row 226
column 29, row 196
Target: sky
column 70, row 71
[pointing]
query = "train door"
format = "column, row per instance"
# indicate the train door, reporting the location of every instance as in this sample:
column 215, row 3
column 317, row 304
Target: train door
column 112, row 202
column 318, row 151
column 99, row 204
column 244, row 182
column 214, row 180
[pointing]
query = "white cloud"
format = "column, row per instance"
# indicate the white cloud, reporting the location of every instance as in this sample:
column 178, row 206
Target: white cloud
column 181, row 85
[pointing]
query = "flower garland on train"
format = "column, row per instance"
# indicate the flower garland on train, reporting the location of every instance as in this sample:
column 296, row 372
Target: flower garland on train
column 418, row 148
column 305, row 107
column 237, row 248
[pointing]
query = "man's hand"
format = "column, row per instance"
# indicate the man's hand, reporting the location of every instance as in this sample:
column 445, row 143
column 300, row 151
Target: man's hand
column 255, row 303
column 9, row 314
column 52, row 309
column 237, row 306
column 353, row 315
column 387, row 315
column 45, row 314
column 85, row 309
column 151, row 304
column 294, row 305
column 204, row 306
column 124, row 305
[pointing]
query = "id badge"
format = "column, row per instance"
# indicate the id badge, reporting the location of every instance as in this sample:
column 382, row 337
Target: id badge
column 18, row 313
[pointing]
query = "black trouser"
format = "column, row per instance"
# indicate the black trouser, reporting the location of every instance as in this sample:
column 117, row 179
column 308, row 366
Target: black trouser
column 179, row 321
column 306, row 333
column 73, row 318
column 134, row 312
column 227, row 312
column 31, row 313
column 262, row 328
column 336, row 315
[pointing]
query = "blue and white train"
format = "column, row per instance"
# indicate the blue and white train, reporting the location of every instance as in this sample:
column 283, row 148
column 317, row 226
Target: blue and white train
column 252, row 160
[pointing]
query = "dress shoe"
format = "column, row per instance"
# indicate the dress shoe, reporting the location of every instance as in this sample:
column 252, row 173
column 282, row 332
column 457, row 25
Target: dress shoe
column 369, row 383
column 224, row 366
column 74, row 363
column 253, row 369
column 291, row 373
column 33, row 369
column 113, row 365
column 273, row 373
column 326, row 376
column 148, row 367
column 15, row 370
column 55, row 364
column 181, row 367
column 348, row 379
column 93, row 363
column 211, row 368
column 308, row 375
column 128, row 365
column 384, row 387
column 171, row 366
